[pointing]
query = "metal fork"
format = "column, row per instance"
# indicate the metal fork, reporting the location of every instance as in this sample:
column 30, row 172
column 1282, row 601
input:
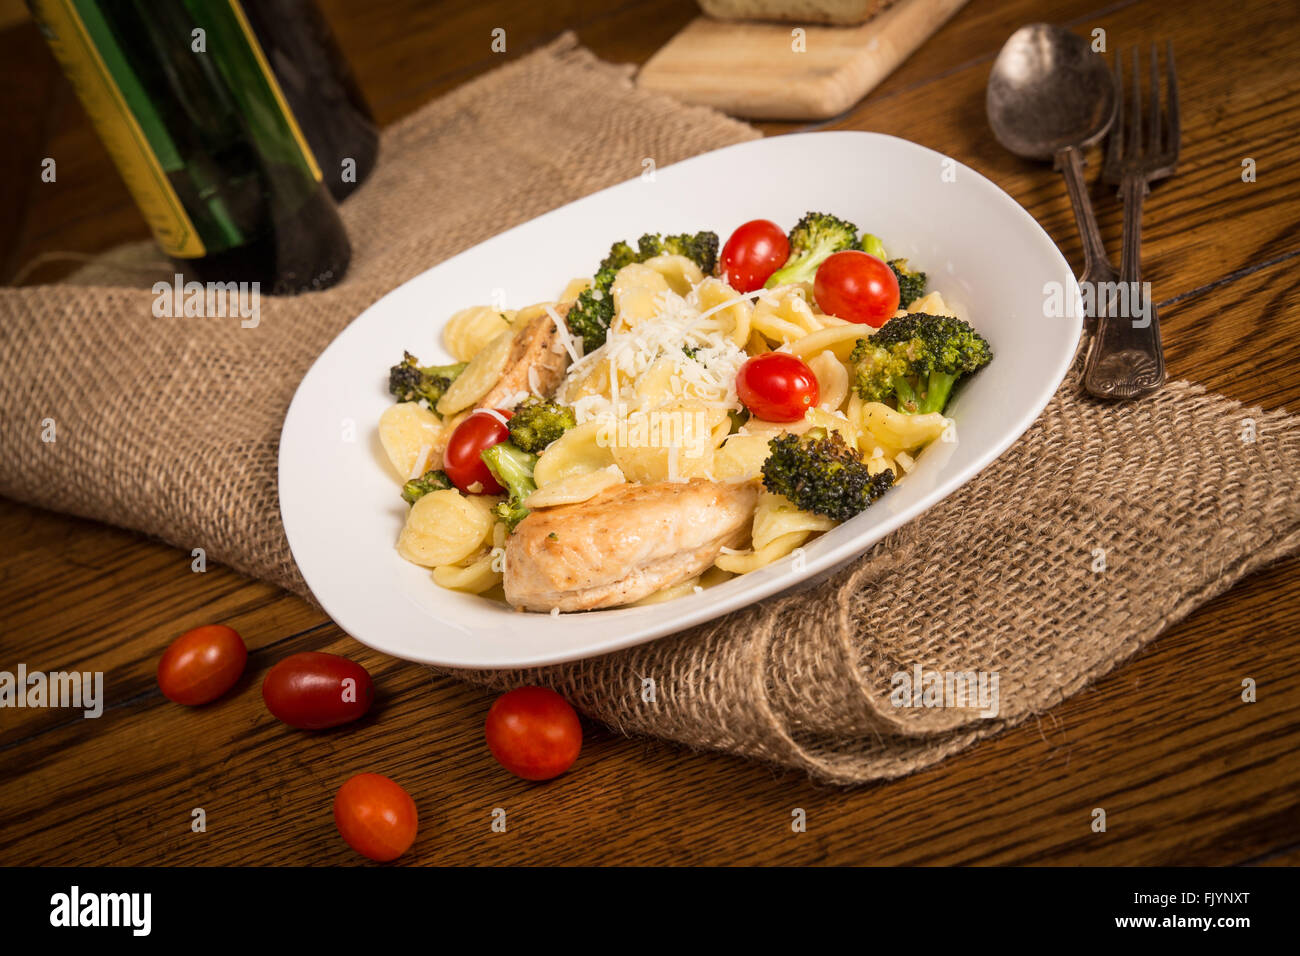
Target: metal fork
column 1126, row 359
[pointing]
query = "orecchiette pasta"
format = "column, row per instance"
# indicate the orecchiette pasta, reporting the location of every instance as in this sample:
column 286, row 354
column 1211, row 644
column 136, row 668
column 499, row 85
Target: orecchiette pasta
column 745, row 561
column 712, row 293
column 775, row 517
column 899, row 432
column 409, row 433
column 681, row 274
column 575, row 488
column 469, row 330
column 574, row 288
column 577, row 451
column 832, row 380
column 474, row 578
column 484, row 371
column 636, row 292
column 784, row 316
column 445, row 527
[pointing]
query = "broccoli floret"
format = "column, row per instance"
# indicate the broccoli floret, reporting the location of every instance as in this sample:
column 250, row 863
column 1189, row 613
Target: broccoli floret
column 536, row 423
column 589, row 317
column 620, row 254
column 431, row 480
column 410, row 382
column 916, row 359
column 814, row 238
column 819, row 472
column 700, row 247
column 911, row 285
column 513, row 469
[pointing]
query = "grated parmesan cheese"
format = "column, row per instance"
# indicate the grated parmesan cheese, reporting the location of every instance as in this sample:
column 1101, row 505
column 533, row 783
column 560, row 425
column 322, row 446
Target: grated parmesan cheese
column 571, row 345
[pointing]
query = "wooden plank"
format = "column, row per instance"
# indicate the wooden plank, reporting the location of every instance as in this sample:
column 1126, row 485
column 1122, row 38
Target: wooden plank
column 787, row 71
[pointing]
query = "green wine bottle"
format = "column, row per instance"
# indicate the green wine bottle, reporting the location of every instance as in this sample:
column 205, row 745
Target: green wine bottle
column 183, row 98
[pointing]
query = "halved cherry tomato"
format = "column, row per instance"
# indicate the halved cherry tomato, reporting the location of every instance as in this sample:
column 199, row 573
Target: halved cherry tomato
column 313, row 691
column 777, row 386
column 461, row 460
column 754, row 251
column 534, row 733
column 376, row 817
column 201, row 664
column 858, row 287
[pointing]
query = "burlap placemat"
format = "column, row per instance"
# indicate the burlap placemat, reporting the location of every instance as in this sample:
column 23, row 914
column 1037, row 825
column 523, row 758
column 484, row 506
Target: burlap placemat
column 1102, row 526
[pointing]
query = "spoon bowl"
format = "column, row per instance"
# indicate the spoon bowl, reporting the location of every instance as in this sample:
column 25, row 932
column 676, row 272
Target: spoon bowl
column 1049, row 91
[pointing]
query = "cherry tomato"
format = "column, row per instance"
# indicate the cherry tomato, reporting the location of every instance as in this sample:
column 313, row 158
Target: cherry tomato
column 858, row 287
column 754, row 251
column 461, row 460
column 376, row 817
column 777, row 386
column 313, row 691
column 201, row 665
column 534, row 733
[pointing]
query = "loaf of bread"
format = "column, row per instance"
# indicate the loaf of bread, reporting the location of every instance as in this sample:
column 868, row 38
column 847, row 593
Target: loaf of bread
column 837, row 12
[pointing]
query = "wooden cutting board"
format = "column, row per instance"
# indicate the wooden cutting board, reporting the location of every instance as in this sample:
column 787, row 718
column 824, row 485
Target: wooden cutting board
column 757, row 70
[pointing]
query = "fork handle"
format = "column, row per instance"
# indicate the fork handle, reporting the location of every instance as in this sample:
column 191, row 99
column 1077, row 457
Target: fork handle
column 1126, row 359
column 1096, row 264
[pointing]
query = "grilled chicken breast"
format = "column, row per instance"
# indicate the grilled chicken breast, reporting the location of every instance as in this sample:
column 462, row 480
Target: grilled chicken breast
column 535, row 346
column 624, row 544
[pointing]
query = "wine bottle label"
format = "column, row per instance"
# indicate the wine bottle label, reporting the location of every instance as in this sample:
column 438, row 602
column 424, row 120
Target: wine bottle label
column 118, row 127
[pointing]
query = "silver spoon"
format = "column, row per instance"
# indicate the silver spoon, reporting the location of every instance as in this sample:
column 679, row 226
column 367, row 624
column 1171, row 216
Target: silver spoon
column 1050, row 97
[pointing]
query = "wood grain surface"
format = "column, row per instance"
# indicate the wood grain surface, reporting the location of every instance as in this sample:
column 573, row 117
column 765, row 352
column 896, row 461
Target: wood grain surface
column 1187, row 772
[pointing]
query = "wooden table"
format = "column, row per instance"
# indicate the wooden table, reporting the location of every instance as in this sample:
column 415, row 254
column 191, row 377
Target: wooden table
column 1187, row 773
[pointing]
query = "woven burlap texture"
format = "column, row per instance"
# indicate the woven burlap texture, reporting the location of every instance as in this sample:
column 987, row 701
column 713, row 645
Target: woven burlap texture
column 1099, row 528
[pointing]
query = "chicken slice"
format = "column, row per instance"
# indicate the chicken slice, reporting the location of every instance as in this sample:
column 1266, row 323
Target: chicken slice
column 624, row 544
column 536, row 346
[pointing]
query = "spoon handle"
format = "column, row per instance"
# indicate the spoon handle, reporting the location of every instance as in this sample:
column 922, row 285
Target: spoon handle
column 1096, row 264
column 1126, row 359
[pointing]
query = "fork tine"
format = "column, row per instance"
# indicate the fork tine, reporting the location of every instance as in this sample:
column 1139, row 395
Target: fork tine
column 1153, row 122
column 1135, row 113
column 1115, row 146
column 1173, row 132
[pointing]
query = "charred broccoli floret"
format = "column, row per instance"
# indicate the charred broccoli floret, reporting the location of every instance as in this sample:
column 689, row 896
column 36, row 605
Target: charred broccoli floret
column 589, row 317
column 700, row 247
column 537, row 423
column 815, row 238
column 819, row 472
column 431, row 480
column 916, row 359
column 513, row 470
column 911, row 284
column 591, row 314
column 410, row 382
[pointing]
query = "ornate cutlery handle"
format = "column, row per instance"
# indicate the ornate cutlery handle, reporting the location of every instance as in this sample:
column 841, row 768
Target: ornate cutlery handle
column 1126, row 359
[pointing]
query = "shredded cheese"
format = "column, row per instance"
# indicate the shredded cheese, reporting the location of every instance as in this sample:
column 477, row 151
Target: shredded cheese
column 571, row 345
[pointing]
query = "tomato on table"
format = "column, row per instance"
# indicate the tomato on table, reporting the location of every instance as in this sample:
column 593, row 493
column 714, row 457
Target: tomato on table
column 777, row 387
column 461, row 460
column 534, row 733
column 313, row 690
column 754, row 251
column 201, row 664
column 376, row 816
column 857, row 287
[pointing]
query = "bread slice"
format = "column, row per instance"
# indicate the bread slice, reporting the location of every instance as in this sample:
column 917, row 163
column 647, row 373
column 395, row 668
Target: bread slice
column 837, row 12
